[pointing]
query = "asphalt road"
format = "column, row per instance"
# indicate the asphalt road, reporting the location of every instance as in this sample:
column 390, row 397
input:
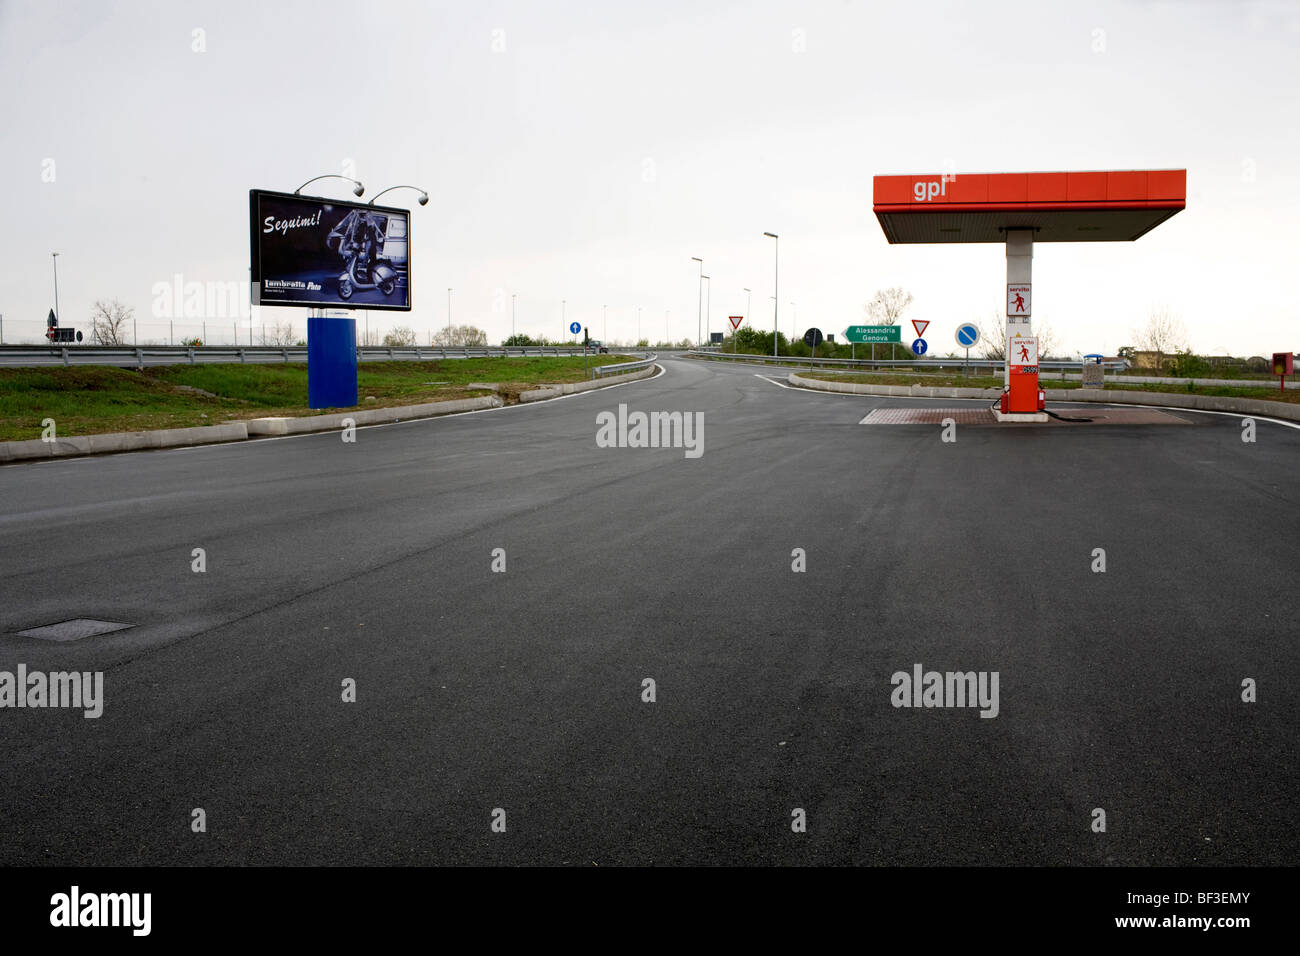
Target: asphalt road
column 523, row 690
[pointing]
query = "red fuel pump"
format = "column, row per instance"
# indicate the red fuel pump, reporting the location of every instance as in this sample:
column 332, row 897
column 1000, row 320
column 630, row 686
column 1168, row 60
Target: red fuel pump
column 1023, row 393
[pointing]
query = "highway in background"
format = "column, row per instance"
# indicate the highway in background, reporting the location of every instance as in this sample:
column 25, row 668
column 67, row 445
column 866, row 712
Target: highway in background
column 523, row 690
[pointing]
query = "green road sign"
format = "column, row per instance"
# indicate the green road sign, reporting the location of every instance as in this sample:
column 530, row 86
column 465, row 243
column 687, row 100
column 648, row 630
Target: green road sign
column 873, row 333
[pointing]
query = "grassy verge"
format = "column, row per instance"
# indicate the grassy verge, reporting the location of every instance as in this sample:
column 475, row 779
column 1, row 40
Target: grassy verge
column 96, row 399
column 1112, row 384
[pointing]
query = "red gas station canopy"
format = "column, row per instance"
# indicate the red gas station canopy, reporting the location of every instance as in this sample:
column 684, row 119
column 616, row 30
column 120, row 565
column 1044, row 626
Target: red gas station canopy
column 1059, row 207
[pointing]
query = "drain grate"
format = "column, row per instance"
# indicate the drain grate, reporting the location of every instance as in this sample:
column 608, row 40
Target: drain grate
column 73, row 630
column 928, row 416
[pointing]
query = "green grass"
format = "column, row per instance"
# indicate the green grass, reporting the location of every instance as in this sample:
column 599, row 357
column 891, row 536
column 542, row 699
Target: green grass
column 96, row 399
column 1112, row 384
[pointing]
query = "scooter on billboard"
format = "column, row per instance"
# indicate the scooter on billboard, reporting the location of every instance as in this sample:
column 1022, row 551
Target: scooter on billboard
column 364, row 273
column 360, row 240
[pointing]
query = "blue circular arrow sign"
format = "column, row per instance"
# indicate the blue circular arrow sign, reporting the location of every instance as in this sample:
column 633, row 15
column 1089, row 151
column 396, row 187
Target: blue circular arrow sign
column 967, row 335
column 919, row 346
column 575, row 328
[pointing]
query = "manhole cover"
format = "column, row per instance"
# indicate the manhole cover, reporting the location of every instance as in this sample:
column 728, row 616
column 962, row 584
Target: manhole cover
column 73, row 630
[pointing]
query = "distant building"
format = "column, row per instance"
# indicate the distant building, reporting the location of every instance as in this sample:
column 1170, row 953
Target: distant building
column 1152, row 360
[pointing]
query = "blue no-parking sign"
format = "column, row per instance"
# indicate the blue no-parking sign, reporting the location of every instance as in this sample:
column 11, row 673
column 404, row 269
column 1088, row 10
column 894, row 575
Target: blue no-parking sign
column 919, row 346
column 575, row 328
column 967, row 335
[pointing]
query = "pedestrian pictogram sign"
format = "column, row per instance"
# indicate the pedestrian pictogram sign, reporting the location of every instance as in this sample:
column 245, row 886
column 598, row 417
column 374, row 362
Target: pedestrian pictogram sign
column 1018, row 299
column 735, row 321
column 920, row 325
column 1023, row 351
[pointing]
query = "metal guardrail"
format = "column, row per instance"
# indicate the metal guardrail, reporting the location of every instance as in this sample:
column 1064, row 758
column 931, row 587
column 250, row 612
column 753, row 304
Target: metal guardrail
column 832, row 363
column 139, row 357
column 602, row 370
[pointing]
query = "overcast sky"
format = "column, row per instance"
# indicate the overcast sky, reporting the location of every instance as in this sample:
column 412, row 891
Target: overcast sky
column 586, row 151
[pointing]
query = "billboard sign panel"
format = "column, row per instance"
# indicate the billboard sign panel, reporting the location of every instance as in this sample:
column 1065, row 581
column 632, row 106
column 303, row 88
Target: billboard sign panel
column 310, row 251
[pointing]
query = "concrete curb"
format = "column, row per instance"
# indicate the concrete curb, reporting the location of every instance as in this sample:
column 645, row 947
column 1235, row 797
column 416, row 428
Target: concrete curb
column 901, row 391
column 259, row 427
column 555, row 391
column 369, row 416
column 1208, row 403
column 122, row 441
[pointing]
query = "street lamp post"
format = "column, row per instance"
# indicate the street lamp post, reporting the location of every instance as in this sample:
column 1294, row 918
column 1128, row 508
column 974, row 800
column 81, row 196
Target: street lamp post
column 638, row 325
column 794, row 322
column 55, row 256
column 449, row 318
column 776, row 278
column 604, row 319
column 513, row 296
column 749, row 297
column 700, row 304
column 709, row 303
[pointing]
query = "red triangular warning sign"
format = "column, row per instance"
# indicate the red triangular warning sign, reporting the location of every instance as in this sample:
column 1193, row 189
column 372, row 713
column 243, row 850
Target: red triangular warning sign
column 920, row 326
column 735, row 321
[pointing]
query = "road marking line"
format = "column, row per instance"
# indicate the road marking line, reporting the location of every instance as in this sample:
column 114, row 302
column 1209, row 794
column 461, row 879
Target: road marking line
column 1198, row 411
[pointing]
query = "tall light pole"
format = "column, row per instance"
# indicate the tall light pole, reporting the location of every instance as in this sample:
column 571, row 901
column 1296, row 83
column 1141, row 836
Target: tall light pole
column 776, row 278
column 794, row 322
column 55, row 256
column 638, row 325
column 563, row 321
column 709, row 300
column 513, row 296
column 449, row 318
column 749, row 297
column 667, row 341
column 700, row 305
column 604, row 318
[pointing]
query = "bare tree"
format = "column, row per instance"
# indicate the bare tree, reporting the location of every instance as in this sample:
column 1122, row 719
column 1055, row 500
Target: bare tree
column 1046, row 336
column 460, row 335
column 400, row 336
column 367, row 338
column 993, row 337
column 1161, row 334
column 887, row 307
column 280, row 335
column 108, row 321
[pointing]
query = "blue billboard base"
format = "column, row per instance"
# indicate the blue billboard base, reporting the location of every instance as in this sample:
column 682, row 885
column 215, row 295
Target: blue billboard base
column 331, row 362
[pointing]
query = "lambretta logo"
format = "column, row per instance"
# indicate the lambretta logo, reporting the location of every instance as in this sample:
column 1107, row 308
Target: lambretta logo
column 951, row 689
column 103, row 909
column 73, row 689
column 652, row 430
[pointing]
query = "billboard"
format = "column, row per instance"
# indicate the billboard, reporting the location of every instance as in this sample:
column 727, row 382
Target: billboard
column 319, row 252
